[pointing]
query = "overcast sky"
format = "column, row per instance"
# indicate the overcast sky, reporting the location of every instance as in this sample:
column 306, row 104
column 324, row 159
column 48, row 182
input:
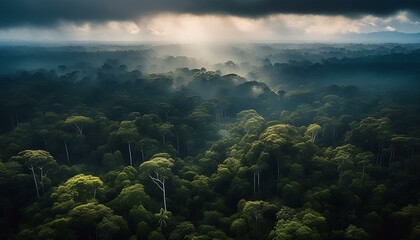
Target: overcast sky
column 204, row 20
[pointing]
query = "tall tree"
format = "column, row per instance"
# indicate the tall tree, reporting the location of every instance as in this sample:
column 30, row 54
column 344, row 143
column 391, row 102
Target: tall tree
column 37, row 160
column 78, row 122
column 159, row 170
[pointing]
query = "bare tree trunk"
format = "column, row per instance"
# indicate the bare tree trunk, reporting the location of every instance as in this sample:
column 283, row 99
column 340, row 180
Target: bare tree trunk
column 78, row 129
column 67, row 152
column 42, row 179
column 161, row 185
column 391, row 155
column 36, row 183
column 163, row 138
column 333, row 136
column 164, row 194
column 278, row 169
column 129, row 152
column 94, row 193
column 313, row 136
column 258, row 177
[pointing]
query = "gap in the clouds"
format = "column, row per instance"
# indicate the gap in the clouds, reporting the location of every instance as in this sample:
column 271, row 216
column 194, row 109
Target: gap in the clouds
column 206, row 29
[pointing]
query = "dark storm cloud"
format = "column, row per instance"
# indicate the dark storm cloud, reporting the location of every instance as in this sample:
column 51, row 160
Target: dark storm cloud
column 47, row 12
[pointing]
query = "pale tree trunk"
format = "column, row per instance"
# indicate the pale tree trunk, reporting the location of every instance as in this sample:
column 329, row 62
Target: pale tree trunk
column 129, row 152
column 258, row 178
column 79, row 129
column 313, row 136
column 67, row 152
column 42, row 179
column 36, row 183
column 142, row 152
column 391, row 155
column 164, row 194
column 333, row 136
column 161, row 184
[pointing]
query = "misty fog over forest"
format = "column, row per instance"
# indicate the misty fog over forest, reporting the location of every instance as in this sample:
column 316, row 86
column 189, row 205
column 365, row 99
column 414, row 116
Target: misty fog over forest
column 246, row 141
column 277, row 65
column 210, row 120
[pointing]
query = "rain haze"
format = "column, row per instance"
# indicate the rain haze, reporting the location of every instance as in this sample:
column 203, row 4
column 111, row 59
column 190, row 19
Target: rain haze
column 210, row 119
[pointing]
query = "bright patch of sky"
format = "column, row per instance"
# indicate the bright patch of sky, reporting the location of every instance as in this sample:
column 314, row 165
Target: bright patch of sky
column 185, row 28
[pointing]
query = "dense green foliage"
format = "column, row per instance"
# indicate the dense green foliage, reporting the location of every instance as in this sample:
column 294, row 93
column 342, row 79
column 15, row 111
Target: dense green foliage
column 142, row 159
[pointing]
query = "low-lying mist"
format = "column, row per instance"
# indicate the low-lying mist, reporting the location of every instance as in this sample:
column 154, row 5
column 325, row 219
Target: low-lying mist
column 279, row 66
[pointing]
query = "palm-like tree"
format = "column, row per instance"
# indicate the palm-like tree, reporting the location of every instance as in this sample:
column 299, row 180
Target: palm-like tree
column 163, row 217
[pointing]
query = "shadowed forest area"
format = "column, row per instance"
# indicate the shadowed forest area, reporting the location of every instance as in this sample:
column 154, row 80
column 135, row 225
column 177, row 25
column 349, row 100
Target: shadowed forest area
column 247, row 141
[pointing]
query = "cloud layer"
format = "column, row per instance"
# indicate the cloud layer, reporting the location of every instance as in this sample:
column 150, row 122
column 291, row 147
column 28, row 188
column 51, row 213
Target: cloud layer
column 50, row 12
column 188, row 28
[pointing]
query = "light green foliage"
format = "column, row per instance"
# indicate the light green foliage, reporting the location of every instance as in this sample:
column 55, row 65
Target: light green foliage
column 184, row 230
column 159, row 164
column 78, row 122
column 307, row 224
column 164, row 130
column 163, row 217
column 278, row 135
column 128, row 132
column 78, row 189
column 250, row 121
column 200, row 115
column 39, row 158
column 239, row 227
column 353, row 233
column 258, row 217
column 232, row 158
column 99, row 217
column 412, row 214
column 8, row 171
column 139, row 213
column 371, row 131
column 129, row 197
column 312, row 131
